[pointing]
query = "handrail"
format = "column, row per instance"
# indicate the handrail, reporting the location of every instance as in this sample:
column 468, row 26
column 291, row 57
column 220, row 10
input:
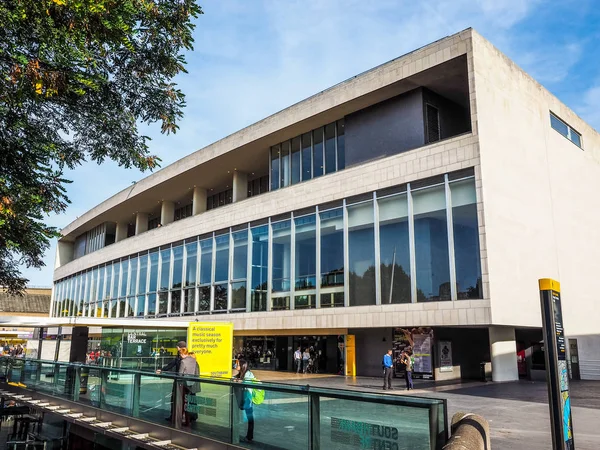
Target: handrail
column 321, row 415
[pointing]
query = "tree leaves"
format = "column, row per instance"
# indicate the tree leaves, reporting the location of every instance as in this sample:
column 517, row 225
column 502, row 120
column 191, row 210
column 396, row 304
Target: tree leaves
column 77, row 78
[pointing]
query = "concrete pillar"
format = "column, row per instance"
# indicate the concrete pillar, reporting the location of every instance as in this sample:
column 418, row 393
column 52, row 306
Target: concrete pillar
column 503, row 349
column 199, row 201
column 240, row 186
column 141, row 223
column 64, row 253
column 167, row 212
column 121, row 231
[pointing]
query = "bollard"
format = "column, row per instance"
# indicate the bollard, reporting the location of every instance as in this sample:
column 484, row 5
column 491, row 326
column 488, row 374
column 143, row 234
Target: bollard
column 469, row 432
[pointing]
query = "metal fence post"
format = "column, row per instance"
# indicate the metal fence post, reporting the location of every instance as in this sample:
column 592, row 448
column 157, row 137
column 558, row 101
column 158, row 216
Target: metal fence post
column 234, row 415
column 135, row 398
column 314, row 421
column 434, row 441
column 177, row 416
column 76, row 384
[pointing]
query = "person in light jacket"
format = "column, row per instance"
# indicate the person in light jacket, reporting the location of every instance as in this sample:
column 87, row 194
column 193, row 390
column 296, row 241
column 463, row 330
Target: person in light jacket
column 189, row 388
column 244, row 397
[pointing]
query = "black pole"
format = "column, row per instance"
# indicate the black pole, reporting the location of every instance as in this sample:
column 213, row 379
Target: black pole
column 556, row 366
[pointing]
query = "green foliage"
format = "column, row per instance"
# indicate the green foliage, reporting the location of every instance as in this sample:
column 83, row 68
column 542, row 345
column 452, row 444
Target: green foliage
column 76, row 77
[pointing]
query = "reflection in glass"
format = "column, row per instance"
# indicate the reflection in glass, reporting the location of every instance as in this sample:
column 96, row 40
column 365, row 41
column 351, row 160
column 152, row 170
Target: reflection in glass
column 176, row 302
column 222, row 258
column 275, row 153
column 466, row 239
column 306, row 252
column 394, row 249
column 281, row 255
column 153, row 272
column 124, row 276
column 165, row 260
column 341, row 145
column 285, row 164
column 296, row 152
column 141, row 305
column 133, row 263
column 189, row 300
column 220, row 297
column 240, row 254
column 361, row 248
column 151, row 304
column 163, row 299
column 318, row 152
column 332, row 300
column 332, row 247
column 142, row 280
column 330, row 148
column 238, row 295
column 306, row 157
column 177, row 266
column 260, row 256
column 191, row 251
column 305, row 302
column 204, row 298
column 205, row 261
column 431, row 244
column 130, row 307
column 280, row 303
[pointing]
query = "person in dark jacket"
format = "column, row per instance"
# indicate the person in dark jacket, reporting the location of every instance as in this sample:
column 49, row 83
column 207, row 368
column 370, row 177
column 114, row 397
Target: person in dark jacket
column 173, row 366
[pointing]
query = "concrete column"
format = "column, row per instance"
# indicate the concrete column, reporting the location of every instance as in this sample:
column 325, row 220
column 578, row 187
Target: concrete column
column 167, row 213
column 199, row 201
column 503, row 349
column 240, row 186
column 64, row 253
column 121, row 231
column 141, row 223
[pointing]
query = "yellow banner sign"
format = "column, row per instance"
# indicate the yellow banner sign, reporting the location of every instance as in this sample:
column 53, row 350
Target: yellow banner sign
column 350, row 355
column 212, row 344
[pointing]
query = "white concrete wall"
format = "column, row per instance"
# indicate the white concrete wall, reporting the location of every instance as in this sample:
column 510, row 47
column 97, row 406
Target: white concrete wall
column 540, row 195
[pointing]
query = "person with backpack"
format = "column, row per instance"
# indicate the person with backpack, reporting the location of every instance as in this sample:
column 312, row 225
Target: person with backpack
column 245, row 398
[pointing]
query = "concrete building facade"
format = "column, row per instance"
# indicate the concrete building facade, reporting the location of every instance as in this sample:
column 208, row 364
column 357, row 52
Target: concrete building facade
column 416, row 204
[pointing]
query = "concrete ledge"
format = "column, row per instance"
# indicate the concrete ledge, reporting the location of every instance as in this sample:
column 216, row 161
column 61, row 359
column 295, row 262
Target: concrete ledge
column 469, row 432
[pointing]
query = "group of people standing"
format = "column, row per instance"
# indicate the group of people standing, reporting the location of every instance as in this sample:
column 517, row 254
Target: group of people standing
column 388, row 369
column 305, row 361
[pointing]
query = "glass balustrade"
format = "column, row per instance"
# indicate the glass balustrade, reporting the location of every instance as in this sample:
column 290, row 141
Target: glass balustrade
column 290, row 416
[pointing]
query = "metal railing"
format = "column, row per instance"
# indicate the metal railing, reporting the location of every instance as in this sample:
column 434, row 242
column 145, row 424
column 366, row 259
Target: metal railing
column 290, row 417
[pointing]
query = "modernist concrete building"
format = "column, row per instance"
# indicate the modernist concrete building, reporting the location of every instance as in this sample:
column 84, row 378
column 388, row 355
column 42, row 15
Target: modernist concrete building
column 415, row 204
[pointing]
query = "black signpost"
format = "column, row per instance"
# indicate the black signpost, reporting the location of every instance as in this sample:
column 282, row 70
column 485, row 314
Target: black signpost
column 556, row 365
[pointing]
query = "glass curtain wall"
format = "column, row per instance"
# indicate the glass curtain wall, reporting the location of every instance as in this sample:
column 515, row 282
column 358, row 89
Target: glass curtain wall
column 288, row 263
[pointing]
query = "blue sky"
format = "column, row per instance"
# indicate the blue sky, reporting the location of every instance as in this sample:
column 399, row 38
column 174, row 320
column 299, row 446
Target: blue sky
column 254, row 58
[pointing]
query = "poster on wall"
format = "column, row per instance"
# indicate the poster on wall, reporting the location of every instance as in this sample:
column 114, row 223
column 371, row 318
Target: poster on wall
column 419, row 341
column 212, row 344
column 445, row 352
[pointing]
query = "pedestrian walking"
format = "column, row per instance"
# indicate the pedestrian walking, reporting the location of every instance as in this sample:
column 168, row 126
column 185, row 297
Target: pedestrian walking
column 406, row 360
column 244, row 397
column 305, row 359
column 188, row 366
column 388, row 370
column 174, row 364
column 298, row 360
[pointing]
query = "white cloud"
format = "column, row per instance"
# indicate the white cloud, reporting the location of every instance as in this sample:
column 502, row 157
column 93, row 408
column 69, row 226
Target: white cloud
column 589, row 109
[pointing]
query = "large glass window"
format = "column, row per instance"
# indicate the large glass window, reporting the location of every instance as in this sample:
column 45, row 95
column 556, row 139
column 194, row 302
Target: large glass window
column 163, row 302
column 204, row 298
column 191, row 252
column 176, row 301
column 332, row 248
column 205, row 261
column 100, row 290
column 165, row 267
column 305, row 302
column 116, row 277
column 220, row 297
column 296, row 153
column 330, row 148
column 124, row 279
column 177, row 267
column 394, row 249
column 133, row 269
column 238, row 295
column 281, row 255
column 361, row 248
column 153, row 272
column 306, row 252
column 108, row 276
column 341, row 145
column 275, row 154
column 189, row 300
column 306, row 157
column 222, row 258
column 141, row 305
column 285, row 164
column 318, row 152
column 466, row 239
column 143, row 276
column 260, row 256
column 431, row 244
column 151, row 304
column 240, row 255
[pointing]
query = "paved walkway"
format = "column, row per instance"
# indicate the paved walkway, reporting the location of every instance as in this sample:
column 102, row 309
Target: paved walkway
column 517, row 411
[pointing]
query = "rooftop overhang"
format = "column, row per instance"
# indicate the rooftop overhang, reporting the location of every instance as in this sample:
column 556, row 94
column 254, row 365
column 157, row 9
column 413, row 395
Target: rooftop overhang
column 442, row 69
column 37, row 322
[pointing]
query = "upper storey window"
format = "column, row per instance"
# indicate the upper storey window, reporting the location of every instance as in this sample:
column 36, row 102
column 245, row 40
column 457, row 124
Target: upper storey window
column 563, row 128
column 308, row 156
